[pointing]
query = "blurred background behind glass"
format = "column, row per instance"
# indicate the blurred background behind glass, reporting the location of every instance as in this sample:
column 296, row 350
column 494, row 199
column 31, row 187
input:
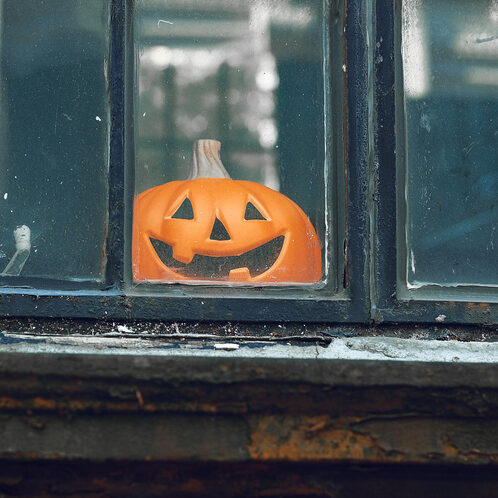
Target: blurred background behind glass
column 54, row 134
column 450, row 70
column 247, row 73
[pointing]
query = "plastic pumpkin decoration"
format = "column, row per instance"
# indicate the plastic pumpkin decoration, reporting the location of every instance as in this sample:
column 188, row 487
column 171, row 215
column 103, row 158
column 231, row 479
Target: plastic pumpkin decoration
column 210, row 227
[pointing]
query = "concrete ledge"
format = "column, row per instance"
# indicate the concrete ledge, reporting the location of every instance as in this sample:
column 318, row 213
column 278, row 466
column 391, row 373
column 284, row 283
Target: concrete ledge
column 340, row 348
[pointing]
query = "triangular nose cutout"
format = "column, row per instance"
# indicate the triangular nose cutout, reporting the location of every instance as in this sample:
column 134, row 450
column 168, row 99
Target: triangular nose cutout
column 219, row 232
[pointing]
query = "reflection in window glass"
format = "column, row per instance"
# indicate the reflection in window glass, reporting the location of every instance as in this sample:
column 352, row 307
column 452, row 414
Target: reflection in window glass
column 450, row 64
column 248, row 75
column 53, row 138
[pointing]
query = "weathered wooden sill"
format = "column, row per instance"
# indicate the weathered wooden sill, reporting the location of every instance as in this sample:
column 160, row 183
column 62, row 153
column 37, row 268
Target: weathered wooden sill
column 363, row 400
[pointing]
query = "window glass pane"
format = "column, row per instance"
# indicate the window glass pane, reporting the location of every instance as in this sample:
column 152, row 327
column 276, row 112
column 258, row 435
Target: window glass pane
column 248, row 75
column 450, row 70
column 53, row 137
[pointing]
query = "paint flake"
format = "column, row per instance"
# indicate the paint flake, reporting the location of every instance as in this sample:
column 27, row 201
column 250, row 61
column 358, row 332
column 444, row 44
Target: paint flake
column 226, row 346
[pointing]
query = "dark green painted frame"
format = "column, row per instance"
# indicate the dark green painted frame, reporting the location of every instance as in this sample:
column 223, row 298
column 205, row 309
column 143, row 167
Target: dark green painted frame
column 391, row 300
column 117, row 297
column 365, row 91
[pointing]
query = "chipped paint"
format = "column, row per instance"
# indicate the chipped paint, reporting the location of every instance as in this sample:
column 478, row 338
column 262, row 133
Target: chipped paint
column 323, row 438
column 348, row 348
column 421, row 401
column 316, row 438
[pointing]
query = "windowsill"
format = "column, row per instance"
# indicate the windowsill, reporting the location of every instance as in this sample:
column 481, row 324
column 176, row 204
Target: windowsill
column 357, row 399
column 378, row 348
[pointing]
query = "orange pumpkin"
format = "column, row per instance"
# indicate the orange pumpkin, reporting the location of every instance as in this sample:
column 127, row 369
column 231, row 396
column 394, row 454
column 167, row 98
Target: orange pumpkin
column 210, row 227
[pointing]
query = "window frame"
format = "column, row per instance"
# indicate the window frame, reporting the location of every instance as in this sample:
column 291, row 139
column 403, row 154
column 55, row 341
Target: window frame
column 391, row 301
column 118, row 299
column 369, row 105
column 306, row 303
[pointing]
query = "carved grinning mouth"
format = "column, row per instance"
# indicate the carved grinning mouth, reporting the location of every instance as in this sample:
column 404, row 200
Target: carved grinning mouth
column 257, row 261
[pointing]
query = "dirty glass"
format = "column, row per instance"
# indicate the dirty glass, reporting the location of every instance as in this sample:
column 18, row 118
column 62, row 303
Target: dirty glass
column 230, row 168
column 450, row 82
column 53, row 138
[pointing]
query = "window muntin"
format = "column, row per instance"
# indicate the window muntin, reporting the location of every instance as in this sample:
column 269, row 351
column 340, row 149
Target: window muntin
column 54, row 129
column 450, row 185
column 250, row 75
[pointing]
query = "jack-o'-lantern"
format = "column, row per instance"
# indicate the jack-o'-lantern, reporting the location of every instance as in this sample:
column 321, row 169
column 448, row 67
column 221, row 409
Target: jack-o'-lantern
column 210, row 227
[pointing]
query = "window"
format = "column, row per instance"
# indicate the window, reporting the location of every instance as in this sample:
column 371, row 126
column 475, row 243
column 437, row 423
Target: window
column 378, row 122
column 440, row 103
column 251, row 75
column 450, row 170
column 54, row 133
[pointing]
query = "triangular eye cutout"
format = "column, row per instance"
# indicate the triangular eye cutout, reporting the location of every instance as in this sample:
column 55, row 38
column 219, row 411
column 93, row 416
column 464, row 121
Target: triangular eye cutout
column 252, row 213
column 185, row 211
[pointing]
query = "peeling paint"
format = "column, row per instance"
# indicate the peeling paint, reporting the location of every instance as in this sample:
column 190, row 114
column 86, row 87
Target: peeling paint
column 322, row 438
column 352, row 348
column 239, row 410
column 7, row 339
column 312, row 438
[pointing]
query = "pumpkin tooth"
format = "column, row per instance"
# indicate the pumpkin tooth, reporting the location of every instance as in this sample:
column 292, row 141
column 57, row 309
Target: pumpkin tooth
column 239, row 274
column 183, row 254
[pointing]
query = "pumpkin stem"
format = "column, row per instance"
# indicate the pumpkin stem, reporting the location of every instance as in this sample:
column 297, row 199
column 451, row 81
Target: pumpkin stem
column 206, row 162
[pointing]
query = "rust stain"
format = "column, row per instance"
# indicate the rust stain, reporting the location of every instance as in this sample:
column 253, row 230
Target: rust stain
column 10, row 403
column 313, row 438
column 44, row 404
column 203, row 407
column 322, row 438
column 477, row 309
column 186, row 407
column 40, row 404
column 193, row 486
column 29, row 455
column 480, row 306
column 449, row 449
column 452, row 452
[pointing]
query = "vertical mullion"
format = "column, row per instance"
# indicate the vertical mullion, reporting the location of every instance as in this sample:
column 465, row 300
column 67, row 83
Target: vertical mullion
column 386, row 152
column 383, row 279
column 356, row 67
column 116, row 223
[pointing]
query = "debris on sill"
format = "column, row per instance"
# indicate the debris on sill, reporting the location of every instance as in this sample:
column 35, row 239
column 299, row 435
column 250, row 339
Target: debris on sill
column 339, row 348
column 123, row 329
column 226, row 346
